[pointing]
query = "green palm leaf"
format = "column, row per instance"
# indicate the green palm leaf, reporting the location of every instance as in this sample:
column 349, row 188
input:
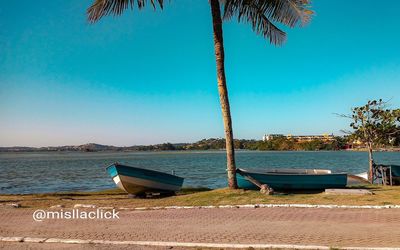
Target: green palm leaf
column 262, row 13
column 102, row 8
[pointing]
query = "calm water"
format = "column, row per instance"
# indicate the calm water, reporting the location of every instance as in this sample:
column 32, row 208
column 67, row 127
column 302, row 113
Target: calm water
column 52, row 172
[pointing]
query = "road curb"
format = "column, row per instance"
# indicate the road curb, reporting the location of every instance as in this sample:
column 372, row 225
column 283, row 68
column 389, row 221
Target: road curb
column 181, row 244
column 267, row 206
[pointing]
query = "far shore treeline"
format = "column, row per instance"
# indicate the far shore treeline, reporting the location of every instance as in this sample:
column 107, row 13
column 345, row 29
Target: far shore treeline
column 276, row 144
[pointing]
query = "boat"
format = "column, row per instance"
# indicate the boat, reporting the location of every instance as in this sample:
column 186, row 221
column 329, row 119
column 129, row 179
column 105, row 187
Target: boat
column 357, row 179
column 387, row 174
column 363, row 175
column 136, row 181
column 291, row 179
column 395, row 174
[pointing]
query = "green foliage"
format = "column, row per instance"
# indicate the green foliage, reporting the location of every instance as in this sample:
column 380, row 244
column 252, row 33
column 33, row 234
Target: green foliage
column 263, row 16
column 279, row 143
column 276, row 144
column 313, row 145
column 375, row 126
column 396, row 141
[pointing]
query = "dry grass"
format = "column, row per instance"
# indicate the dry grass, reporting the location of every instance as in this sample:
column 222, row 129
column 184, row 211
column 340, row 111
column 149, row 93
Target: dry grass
column 202, row 197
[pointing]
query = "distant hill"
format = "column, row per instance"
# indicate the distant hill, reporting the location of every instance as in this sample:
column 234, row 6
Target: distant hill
column 93, row 147
column 89, row 147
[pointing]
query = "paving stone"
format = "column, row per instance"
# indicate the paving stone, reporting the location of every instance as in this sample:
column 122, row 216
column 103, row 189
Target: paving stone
column 263, row 225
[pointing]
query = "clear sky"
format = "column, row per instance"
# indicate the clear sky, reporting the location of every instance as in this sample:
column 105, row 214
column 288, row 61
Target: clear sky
column 149, row 77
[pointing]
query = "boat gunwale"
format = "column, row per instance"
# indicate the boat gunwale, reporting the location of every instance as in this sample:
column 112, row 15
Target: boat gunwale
column 282, row 173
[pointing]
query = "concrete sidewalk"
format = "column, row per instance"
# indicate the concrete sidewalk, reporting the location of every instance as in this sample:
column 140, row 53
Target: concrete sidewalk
column 293, row 226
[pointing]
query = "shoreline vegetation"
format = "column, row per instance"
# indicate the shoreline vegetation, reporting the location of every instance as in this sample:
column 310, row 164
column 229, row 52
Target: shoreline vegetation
column 278, row 144
column 382, row 195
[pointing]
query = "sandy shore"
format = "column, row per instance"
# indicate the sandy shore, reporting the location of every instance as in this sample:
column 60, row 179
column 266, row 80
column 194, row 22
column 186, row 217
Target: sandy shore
column 296, row 226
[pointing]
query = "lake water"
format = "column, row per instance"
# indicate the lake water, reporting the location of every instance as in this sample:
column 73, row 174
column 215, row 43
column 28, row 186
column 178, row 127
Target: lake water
column 71, row 171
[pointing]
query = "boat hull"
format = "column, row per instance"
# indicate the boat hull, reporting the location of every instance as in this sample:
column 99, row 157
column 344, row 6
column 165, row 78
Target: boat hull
column 395, row 174
column 137, row 180
column 295, row 181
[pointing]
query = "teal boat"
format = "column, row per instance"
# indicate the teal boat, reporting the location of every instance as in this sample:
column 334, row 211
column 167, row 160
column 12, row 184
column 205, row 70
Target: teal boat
column 395, row 170
column 138, row 180
column 395, row 174
column 292, row 179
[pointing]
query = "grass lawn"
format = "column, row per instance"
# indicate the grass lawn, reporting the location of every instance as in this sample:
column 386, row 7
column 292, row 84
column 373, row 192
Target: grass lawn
column 383, row 195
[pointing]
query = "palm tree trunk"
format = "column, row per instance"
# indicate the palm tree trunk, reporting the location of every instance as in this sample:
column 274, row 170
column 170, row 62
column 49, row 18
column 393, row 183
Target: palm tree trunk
column 223, row 92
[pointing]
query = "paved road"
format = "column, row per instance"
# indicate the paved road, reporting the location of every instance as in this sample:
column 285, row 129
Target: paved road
column 302, row 226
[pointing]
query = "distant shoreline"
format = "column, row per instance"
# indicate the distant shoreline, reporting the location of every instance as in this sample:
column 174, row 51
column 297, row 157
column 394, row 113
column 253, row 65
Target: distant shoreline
column 277, row 144
column 38, row 150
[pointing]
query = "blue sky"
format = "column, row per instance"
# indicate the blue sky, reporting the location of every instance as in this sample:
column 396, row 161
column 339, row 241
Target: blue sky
column 149, row 77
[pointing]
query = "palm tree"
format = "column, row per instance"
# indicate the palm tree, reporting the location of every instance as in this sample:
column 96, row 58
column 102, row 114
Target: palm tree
column 261, row 14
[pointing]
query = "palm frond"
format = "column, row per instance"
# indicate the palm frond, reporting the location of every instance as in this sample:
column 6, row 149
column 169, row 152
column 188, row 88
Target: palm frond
column 101, row 8
column 262, row 13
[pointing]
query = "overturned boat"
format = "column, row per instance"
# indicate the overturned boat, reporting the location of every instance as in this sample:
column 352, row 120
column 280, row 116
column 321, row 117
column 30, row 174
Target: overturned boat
column 291, row 179
column 138, row 180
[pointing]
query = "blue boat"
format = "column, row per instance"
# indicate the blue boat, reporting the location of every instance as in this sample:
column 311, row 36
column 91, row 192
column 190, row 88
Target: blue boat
column 395, row 174
column 395, row 170
column 387, row 174
column 292, row 179
column 138, row 180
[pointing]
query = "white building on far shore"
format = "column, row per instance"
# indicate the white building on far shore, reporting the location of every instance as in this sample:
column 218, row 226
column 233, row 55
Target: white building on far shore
column 271, row 136
column 300, row 138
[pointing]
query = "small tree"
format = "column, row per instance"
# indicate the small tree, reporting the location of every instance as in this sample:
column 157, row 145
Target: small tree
column 375, row 125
